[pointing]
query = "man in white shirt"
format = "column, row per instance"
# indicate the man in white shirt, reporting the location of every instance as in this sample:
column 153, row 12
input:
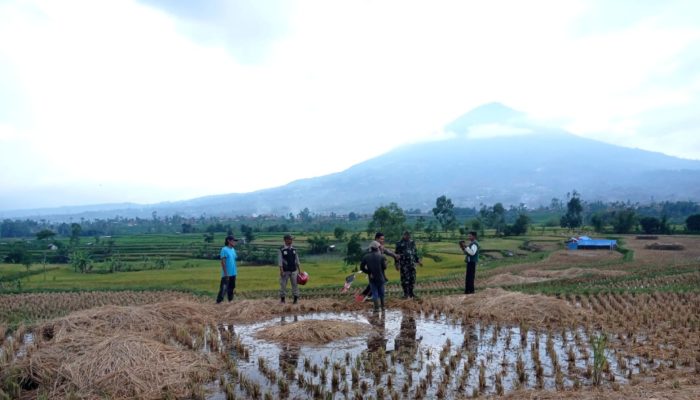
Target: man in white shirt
column 471, row 252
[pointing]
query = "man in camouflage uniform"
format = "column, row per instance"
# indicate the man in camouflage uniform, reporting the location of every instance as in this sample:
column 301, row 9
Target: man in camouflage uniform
column 408, row 257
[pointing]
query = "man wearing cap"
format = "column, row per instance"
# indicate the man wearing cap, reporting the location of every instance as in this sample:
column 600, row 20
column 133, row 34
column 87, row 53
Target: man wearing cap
column 228, row 269
column 408, row 257
column 288, row 261
column 379, row 238
column 373, row 264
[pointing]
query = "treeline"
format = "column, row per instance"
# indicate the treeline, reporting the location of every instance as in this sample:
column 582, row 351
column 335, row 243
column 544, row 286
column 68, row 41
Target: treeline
column 574, row 212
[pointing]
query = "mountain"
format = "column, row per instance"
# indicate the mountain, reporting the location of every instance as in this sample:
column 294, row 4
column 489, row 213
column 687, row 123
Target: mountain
column 495, row 155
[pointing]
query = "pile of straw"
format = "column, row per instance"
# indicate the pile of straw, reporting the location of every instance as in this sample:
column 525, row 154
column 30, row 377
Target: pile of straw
column 510, row 279
column 150, row 319
column 313, row 331
column 116, row 366
column 570, row 273
column 496, row 304
column 665, row 246
column 501, row 305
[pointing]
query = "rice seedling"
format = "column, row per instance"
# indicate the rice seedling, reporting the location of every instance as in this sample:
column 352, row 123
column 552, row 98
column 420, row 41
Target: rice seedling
column 482, row 376
column 520, row 369
column 229, row 392
column 499, row 384
column 598, row 343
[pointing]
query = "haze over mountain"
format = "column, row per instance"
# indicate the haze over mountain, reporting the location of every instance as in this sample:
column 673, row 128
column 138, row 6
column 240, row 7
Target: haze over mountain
column 491, row 154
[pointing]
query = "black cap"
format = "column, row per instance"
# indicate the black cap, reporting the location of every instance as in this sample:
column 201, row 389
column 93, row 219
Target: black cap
column 231, row 237
column 288, row 236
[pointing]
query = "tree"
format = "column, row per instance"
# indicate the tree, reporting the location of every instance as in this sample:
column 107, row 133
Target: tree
column 75, row 230
column 354, row 253
column 519, row 227
column 388, row 220
column 420, row 224
column 445, row 214
column 187, row 228
column 494, row 217
column 339, row 233
column 19, row 254
column 305, row 215
column 624, row 221
column 573, row 218
column 650, row 225
column 45, row 234
column 81, row 262
column 692, row 223
column 247, row 233
column 598, row 221
column 318, row 244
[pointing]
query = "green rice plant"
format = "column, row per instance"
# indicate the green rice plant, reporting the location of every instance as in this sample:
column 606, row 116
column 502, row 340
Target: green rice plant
column 598, row 344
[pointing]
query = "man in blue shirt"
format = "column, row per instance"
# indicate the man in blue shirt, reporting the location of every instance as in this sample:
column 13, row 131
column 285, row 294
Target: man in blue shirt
column 228, row 269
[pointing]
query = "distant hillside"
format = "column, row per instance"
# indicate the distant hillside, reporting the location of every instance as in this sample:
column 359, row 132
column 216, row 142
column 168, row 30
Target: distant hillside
column 526, row 164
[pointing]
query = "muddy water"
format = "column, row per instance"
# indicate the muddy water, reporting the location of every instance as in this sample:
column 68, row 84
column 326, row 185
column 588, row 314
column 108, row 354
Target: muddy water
column 414, row 355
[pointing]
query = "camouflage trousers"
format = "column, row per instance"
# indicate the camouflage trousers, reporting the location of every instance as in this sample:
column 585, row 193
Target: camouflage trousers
column 408, row 278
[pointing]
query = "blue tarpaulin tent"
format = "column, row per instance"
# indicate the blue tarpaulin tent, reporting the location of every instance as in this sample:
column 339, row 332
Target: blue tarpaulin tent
column 585, row 242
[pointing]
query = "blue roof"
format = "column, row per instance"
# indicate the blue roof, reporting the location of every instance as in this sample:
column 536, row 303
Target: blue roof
column 585, row 241
column 597, row 242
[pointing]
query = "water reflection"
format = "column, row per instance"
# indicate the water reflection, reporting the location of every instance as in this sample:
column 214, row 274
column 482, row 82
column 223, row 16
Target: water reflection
column 406, row 343
column 377, row 338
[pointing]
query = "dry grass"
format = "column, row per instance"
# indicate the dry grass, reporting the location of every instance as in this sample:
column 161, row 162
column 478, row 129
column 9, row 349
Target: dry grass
column 571, row 273
column 665, row 246
column 150, row 320
column 511, row 279
column 645, row 256
column 115, row 366
column 313, row 331
column 498, row 305
column 657, row 391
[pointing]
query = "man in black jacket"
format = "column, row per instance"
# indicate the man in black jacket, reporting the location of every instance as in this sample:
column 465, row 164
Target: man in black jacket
column 373, row 264
column 288, row 261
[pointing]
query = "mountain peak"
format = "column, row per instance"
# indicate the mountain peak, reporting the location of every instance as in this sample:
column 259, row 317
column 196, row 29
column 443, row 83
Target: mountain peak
column 491, row 113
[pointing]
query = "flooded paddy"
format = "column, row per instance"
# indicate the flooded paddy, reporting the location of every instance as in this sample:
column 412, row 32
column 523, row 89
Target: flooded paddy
column 404, row 354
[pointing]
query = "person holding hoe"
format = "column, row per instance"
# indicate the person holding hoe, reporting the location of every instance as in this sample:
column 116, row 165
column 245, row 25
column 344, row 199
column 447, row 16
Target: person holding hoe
column 290, row 267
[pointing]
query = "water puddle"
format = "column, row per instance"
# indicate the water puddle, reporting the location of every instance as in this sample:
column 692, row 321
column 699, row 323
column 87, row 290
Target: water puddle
column 405, row 355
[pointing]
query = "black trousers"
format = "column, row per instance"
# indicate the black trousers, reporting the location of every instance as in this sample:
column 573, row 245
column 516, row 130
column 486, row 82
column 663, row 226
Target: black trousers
column 469, row 278
column 227, row 285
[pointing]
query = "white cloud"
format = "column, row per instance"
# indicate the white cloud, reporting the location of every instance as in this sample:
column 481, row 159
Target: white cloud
column 484, row 131
column 121, row 93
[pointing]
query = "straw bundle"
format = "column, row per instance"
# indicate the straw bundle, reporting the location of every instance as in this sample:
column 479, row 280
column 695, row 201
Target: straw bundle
column 665, row 246
column 518, row 307
column 154, row 318
column 118, row 366
column 313, row 331
column 247, row 310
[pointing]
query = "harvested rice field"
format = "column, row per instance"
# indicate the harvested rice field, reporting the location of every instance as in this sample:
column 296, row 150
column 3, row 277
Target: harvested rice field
column 596, row 326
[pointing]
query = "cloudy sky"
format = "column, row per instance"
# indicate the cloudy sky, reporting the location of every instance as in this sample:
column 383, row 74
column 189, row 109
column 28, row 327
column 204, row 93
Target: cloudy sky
column 157, row 100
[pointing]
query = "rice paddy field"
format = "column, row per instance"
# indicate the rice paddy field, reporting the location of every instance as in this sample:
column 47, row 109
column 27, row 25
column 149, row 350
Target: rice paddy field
column 545, row 323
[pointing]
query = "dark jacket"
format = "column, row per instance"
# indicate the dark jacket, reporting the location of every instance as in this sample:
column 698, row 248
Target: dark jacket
column 374, row 264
